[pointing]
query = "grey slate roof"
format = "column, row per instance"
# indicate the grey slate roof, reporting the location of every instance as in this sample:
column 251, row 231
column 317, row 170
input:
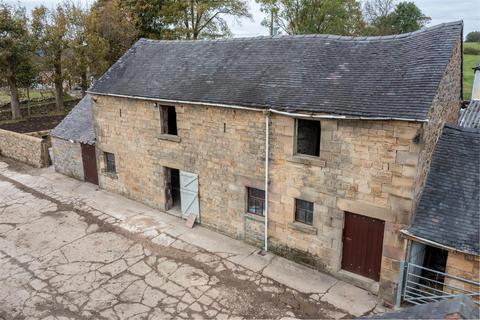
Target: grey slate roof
column 448, row 212
column 470, row 117
column 462, row 305
column 78, row 124
column 390, row 76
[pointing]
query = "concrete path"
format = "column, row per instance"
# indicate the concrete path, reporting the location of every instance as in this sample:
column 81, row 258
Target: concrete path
column 69, row 249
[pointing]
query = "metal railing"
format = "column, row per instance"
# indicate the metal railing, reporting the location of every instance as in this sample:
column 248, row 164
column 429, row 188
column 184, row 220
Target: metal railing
column 418, row 285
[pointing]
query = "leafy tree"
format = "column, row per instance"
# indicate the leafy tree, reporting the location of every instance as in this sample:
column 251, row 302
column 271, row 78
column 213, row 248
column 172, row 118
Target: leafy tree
column 378, row 16
column 112, row 27
column 87, row 51
column 50, row 28
column 473, row 36
column 148, row 18
column 407, row 17
column 343, row 17
column 385, row 18
column 15, row 52
column 194, row 19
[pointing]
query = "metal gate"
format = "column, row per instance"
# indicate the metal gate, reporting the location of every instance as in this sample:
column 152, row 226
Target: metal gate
column 418, row 285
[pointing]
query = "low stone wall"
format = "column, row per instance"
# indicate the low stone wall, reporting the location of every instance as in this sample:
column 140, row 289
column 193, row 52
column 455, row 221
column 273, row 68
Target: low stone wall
column 67, row 158
column 22, row 147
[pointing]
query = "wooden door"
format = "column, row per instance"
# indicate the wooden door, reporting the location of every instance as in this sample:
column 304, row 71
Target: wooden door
column 189, row 194
column 362, row 245
column 89, row 160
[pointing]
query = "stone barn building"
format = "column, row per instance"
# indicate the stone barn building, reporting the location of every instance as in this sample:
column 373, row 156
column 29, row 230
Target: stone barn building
column 326, row 140
column 73, row 143
column 445, row 234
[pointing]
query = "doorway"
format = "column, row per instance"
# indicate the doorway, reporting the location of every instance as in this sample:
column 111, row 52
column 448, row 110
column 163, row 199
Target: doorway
column 89, row 159
column 172, row 191
column 362, row 245
column 432, row 263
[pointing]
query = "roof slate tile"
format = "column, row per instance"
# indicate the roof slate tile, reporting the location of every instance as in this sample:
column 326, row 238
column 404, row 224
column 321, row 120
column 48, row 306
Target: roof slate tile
column 389, row 77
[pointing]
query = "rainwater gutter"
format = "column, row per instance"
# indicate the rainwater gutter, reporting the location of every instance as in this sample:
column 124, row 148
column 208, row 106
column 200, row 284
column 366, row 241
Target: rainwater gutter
column 288, row 114
column 411, row 236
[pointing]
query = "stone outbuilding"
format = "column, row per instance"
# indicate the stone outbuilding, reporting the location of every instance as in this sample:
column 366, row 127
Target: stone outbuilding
column 445, row 233
column 315, row 147
column 73, row 143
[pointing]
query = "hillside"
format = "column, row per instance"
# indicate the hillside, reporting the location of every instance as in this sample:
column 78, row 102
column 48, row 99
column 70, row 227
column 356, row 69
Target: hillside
column 470, row 59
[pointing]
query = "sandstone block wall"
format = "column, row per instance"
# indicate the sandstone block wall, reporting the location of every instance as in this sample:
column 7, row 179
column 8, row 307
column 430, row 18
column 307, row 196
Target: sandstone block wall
column 464, row 266
column 67, row 158
column 365, row 167
column 445, row 109
column 223, row 146
column 23, row 148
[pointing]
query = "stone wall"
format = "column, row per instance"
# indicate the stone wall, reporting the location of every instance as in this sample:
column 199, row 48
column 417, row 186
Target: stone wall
column 464, row 266
column 23, row 147
column 223, row 146
column 445, row 109
column 365, row 167
column 67, row 158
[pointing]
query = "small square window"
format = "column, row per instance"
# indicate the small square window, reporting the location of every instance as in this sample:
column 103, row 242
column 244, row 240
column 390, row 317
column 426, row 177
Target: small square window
column 308, row 137
column 168, row 117
column 110, row 162
column 256, row 201
column 304, row 211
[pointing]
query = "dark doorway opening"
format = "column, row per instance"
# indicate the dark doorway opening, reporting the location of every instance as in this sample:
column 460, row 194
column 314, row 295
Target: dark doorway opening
column 172, row 178
column 308, row 137
column 169, row 120
column 435, row 260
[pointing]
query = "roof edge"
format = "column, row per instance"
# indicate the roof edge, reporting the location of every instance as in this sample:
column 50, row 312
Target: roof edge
column 406, row 233
column 324, row 36
column 459, row 128
column 259, row 109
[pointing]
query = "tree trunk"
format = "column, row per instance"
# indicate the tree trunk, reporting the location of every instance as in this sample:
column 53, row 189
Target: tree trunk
column 58, row 81
column 84, row 84
column 28, row 101
column 15, row 103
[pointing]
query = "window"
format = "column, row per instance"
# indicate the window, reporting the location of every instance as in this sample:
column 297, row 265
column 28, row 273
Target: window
column 308, row 137
column 303, row 211
column 110, row 161
column 168, row 117
column 256, row 201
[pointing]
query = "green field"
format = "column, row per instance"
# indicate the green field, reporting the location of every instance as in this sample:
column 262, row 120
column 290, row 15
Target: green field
column 34, row 95
column 469, row 61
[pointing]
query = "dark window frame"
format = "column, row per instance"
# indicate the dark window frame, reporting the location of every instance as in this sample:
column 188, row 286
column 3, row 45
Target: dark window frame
column 110, row 165
column 304, row 211
column 316, row 152
column 256, row 200
column 168, row 119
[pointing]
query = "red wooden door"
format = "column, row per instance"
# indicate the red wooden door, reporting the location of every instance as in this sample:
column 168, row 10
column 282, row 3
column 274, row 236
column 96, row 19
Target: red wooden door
column 89, row 160
column 362, row 245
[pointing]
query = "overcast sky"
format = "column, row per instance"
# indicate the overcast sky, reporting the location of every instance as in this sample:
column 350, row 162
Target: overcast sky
column 439, row 10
